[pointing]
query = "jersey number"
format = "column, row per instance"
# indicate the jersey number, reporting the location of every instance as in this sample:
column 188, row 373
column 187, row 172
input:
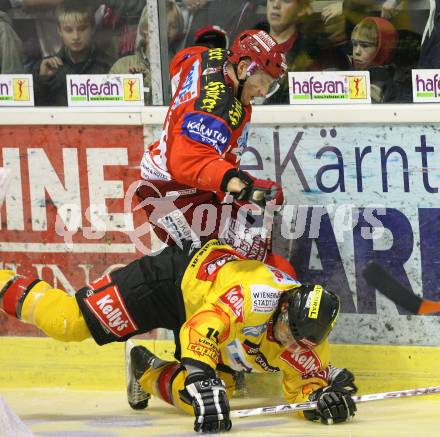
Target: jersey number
column 212, row 333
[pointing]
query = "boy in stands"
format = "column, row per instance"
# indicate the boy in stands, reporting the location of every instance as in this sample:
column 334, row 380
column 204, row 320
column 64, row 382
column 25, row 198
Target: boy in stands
column 374, row 42
column 76, row 25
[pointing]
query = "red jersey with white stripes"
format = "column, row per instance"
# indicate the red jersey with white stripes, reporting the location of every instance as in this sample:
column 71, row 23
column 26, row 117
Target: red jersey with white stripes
column 206, row 128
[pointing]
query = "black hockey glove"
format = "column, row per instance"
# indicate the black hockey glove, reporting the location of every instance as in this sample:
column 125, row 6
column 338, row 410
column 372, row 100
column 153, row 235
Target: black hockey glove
column 335, row 405
column 210, row 402
column 342, row 378
column 258, row 191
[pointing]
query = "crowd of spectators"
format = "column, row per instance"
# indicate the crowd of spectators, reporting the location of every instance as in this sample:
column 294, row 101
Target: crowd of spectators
column 52, row 38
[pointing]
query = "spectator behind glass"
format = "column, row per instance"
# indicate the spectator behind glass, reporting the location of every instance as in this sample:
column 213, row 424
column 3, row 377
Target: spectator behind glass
column 374, row 42
column 35, row 26
column 211, row 37
column 175, row 26
column 341, row 16
column 285, row 18
column 138, row 62
column 233, row 16
column 11, row 48
column 117, row 21
column 430, row 51
column 77, row 56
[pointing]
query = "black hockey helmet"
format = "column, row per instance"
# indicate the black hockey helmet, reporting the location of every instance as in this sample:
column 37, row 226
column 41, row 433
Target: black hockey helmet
column 312, row 313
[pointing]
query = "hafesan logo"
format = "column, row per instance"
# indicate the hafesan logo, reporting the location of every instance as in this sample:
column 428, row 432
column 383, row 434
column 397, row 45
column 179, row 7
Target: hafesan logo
column 105, row 89
column 426, row 85
column 21, row 90
column 132, row 89
column 329, row 87
column 16, row 90
column 358, row 87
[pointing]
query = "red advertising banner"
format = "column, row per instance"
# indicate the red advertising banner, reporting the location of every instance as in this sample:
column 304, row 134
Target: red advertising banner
column 67, row 215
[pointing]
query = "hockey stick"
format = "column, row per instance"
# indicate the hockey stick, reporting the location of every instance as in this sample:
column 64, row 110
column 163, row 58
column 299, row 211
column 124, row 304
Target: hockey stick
column 378, row 278
column 276, row 409
column 266, row 231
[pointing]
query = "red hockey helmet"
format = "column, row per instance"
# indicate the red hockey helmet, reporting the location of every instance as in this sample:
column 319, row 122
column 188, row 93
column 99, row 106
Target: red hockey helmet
column 263, row 51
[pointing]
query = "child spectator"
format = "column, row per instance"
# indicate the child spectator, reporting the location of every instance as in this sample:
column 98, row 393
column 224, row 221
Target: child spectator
column 77, row 56
column 374, row 42
column 138, row 62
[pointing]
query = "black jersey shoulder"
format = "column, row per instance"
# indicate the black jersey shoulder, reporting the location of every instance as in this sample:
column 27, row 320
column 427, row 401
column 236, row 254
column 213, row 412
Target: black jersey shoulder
column 215, row 96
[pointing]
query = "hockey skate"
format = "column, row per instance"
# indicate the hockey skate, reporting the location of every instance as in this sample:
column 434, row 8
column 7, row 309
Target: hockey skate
column 138, row 359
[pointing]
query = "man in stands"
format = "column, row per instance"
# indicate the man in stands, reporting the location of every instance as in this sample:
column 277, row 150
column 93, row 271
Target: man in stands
column 228, row 314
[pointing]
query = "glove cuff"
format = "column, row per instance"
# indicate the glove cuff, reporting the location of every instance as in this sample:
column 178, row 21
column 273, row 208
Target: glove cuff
column 192, row 378
column 234, row 173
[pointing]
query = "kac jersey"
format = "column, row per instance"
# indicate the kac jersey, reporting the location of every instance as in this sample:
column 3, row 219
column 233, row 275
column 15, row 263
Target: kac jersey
column 229, row 304
column 206, row 127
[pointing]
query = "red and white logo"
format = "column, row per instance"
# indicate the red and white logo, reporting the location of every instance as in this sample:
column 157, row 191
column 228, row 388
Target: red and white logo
column 234, row 299
column 110, row 310
column 303, row 360
column 213, row 263
column 280, row 277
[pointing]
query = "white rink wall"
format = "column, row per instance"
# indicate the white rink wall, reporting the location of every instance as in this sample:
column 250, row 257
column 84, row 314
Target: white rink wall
column 361, row 182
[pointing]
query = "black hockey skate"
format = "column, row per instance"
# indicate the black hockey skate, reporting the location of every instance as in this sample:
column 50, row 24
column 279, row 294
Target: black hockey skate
column 138, row 359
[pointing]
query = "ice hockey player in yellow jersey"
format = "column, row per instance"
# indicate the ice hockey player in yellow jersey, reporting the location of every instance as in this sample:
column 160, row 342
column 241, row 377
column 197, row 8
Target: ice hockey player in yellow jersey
column 227, row 313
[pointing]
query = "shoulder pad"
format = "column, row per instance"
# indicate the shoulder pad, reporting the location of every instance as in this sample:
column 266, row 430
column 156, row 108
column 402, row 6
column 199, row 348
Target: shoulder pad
column 216, row 98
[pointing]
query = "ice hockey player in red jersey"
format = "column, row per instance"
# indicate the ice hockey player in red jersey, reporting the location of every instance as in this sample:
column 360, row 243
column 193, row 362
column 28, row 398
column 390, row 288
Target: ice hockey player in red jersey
column 188, row 171
column 228, row 314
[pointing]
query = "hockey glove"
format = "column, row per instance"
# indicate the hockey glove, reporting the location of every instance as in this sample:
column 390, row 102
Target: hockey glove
column 335, row 405
column 342, row 378
column 210, row 402
column 258, row 191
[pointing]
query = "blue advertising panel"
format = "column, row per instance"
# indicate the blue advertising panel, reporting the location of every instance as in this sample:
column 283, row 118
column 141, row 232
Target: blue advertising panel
column 354, row 194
